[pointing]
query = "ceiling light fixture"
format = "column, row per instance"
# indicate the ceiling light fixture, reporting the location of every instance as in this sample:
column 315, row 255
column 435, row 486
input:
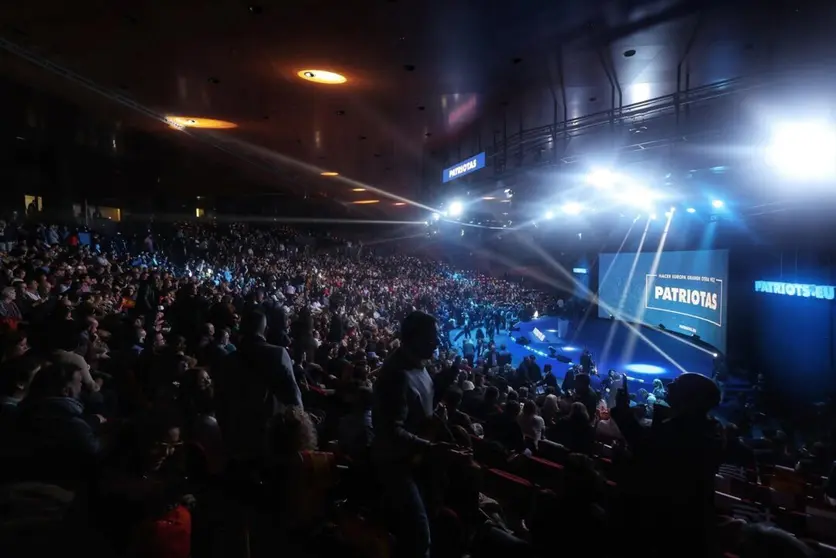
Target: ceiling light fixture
column 399, row 204
column 488, row 198
column 181, row 122
column 365, row 202
column 358, row 189
column 322, row 76
column 329, row 173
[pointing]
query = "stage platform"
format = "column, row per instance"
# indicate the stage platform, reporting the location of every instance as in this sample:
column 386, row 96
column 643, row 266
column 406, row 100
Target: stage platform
column 655, row 356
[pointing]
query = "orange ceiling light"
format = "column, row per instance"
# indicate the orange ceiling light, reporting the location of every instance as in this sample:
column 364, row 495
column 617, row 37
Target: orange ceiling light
column 399, row 204
column 358, row 189
column 329, row 173
column 181, row 122
column 365, row 202
column 322, row 76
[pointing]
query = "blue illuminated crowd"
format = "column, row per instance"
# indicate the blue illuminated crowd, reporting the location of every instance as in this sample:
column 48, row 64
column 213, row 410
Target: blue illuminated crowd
column 245, row 390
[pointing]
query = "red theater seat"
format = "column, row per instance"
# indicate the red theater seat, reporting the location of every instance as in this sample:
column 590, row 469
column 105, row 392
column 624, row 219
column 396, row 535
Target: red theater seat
column 514, row 492
column 544, row 472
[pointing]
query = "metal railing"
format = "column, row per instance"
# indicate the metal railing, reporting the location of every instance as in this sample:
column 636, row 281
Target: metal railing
column 523, row 147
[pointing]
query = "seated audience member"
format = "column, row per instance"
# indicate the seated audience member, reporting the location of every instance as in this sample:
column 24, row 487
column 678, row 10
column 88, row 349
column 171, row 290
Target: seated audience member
column 146, row 480
column 58, row 442
column 531, row 424
column 575, row 431
column 355, row 431
column 550, row 411
column 455, row 417
column 759, row 539
column 505, row 429
column 489, row 406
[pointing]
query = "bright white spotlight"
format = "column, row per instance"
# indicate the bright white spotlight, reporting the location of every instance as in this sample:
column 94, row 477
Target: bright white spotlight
column 691, row 210
column 668, row 214
column 549, row 215
column 652, row 216
column 601, row 178
column 436, row 216
column 456, row 209
column 717, row 204
column 804, row 150
column 572, row 208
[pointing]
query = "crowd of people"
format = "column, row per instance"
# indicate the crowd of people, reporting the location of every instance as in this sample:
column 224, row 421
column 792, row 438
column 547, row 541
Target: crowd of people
column 246, row 390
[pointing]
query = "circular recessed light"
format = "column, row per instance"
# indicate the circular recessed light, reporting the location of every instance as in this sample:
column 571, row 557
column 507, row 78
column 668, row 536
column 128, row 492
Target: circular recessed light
column 322, row 76
column 194, row 122
column 329, row 173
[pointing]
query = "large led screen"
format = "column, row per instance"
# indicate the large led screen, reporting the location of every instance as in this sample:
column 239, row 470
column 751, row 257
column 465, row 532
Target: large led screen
column 684, row 291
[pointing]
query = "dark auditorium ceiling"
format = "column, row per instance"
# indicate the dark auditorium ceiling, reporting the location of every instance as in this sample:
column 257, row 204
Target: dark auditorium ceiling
column 421, row 75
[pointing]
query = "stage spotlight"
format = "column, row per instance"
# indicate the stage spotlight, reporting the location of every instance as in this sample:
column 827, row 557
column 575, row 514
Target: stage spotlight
column 717, row 204
column 691, row 210
column 668, row 214
column 436, row 216
column 652, row 216
column 549, row 215
column 805, row 150
column 601, row 178
column 456, row 209
column 572, row 208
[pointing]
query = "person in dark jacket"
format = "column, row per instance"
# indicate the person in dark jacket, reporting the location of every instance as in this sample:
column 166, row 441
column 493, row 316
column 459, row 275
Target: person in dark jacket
column 677, row 458
column 256, row 383
column 402, row 409
column 58, row 442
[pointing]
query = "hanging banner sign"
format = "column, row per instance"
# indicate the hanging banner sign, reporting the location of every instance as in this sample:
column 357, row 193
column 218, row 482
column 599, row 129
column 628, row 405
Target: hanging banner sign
column 465, row 167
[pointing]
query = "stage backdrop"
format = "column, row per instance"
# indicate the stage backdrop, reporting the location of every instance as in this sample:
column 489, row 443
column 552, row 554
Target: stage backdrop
column 784, row 326
column 684, row 291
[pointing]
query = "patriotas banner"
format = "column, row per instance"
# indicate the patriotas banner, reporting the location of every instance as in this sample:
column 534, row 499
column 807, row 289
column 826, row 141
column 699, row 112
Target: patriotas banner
column 696, row 296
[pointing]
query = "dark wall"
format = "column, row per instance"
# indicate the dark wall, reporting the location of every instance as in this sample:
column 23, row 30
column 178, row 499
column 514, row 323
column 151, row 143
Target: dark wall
column 788, row 339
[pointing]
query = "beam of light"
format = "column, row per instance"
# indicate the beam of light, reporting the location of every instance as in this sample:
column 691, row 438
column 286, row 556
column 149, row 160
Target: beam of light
column 633, row 328
column 588, row 295
column 229, row 145
column 630, row 346
column 602, row 280
column 572, row 208
column 623, row 298
column 179, row 217
column 406, row 237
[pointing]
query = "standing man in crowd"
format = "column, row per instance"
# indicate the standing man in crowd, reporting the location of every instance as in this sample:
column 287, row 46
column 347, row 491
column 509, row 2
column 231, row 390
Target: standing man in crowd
column 403, row 407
